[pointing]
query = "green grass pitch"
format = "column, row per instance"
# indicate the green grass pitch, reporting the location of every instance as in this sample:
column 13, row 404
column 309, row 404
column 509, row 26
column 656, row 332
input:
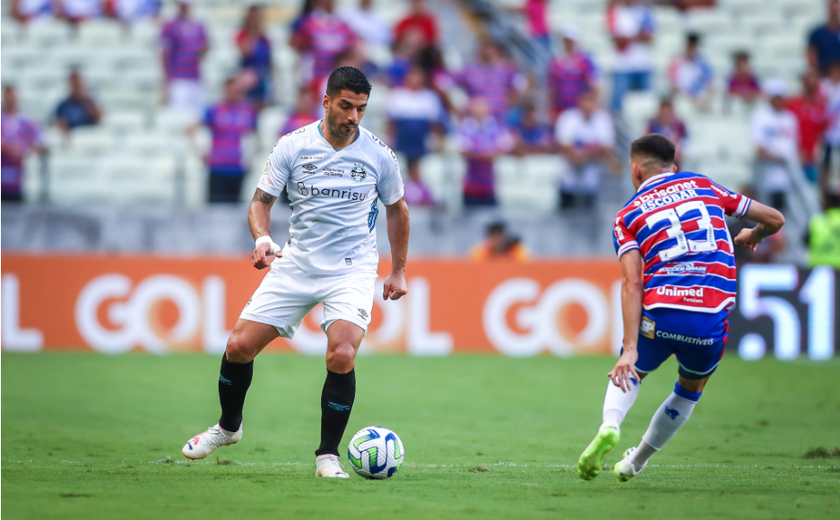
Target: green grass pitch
column 99, row 437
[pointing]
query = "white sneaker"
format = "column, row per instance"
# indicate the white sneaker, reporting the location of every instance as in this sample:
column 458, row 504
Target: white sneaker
column 329, row 466
column 206, row 442
column 625, row 469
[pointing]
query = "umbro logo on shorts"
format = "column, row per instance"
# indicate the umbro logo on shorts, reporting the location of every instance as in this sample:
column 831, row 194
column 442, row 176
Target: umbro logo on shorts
column 363, row 313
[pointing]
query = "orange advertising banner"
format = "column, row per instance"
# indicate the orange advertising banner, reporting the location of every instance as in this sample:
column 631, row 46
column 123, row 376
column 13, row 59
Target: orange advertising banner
column 116, row 304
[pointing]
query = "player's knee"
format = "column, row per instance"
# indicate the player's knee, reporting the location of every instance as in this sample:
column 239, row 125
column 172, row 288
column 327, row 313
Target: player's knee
column 341, row 358
column 239, row 350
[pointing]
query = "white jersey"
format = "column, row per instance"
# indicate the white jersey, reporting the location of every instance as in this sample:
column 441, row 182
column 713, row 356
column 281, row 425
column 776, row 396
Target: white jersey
column 333, row 195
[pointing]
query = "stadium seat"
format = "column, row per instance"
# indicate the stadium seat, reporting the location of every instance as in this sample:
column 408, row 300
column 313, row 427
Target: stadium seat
column 100, row 33
column 173, row 122
column 92, row 141
column 708, row 21
column 637, row 108
column 125, row 121
column 46, row 32
column 543, row 170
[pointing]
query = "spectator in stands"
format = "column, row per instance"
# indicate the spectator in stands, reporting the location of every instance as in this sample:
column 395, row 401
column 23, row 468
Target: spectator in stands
column 77, row 11
column 303, row 114
column 183, row 45
column 418, row 19
column 536, row 15
column 26, row 10
column 691, row 74
column 415, row 114
column 229, row 122
column 498, row 245
column 406, row 52
column 481, row 138
column 255, row 57
column 571, row 74
column 630, row 24
column 440, row 79
column 830, row 89
column 321, row 37
column 305, row 10
column 531, row 136
column 586, row 137
column 129, row 11
column 743, row 83
column 78, row 109
column 774, row 130
column 367, row 24
column 492, row 78
column 667, row 124
column 810, row 109
column 824, row 41
column 20, row 137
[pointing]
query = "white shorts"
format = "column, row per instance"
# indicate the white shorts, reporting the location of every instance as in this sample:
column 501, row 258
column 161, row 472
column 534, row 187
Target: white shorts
column 287, row 294
column 187, row 95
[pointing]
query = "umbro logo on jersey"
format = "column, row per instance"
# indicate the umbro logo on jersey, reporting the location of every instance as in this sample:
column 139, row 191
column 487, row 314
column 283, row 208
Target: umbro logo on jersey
column 310, row 168
column 358, row 173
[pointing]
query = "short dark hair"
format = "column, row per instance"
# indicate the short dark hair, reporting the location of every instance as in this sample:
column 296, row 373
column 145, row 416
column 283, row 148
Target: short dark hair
column 495, row 227
column 693, row 38
column 348, row 78
column 654, row 147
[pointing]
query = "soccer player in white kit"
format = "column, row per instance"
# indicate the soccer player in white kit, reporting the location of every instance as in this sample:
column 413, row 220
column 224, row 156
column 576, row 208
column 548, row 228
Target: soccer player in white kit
column 334, row 171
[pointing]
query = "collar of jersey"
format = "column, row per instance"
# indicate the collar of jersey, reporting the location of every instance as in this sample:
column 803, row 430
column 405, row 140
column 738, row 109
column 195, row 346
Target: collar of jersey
column 654, row 180
column 358, row 133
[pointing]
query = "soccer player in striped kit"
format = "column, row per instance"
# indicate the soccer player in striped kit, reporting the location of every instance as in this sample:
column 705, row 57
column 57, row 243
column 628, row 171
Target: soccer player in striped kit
column 678, row 285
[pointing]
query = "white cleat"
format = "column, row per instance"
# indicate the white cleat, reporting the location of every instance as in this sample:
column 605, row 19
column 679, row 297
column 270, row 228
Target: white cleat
column 205, row 443
column 625, row 469
column 329, row 466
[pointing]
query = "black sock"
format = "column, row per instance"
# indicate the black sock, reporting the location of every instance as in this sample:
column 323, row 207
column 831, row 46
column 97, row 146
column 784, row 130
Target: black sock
column 336, row 403
column 234, row 380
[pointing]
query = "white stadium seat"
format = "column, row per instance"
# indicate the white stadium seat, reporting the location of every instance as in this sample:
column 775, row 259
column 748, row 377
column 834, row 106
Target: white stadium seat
column 91, row 141
column 125, row 121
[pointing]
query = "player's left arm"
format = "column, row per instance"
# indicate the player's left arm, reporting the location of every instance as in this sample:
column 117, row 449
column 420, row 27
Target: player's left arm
column 770, row 222
column 632, row 298
column 398, row 228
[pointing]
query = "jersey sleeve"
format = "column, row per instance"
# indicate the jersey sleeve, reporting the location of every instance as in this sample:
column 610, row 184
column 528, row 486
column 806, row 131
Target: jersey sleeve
column 390, row 183
column 734, row 204
column 278, row 168
column 623, row 239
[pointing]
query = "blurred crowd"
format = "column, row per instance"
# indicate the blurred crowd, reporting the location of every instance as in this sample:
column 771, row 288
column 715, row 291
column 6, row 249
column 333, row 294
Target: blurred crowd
column 489, row 106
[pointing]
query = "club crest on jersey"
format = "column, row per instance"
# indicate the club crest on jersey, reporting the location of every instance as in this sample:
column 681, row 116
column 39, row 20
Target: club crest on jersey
column 358, row 173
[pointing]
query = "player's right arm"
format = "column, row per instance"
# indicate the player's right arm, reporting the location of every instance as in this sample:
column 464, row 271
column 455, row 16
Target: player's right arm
column 272, row 181
column 259, row 220
column 632, row 299
column 769, row 220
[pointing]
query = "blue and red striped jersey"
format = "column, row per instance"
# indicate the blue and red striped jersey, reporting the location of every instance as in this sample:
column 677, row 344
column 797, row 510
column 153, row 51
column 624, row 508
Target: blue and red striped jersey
column 677, row 222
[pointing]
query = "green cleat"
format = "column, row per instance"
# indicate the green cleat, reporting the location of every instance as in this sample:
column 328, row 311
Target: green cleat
column 589, row 464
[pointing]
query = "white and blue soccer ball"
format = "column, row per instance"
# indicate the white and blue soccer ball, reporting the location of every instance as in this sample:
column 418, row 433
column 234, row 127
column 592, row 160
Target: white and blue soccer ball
column 376, row 452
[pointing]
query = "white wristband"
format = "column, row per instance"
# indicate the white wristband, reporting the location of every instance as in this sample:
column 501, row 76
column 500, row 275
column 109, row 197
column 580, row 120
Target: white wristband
column 266, row 239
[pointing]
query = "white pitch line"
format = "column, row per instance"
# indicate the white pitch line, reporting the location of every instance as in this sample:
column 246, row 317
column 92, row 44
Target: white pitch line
column 225, row 462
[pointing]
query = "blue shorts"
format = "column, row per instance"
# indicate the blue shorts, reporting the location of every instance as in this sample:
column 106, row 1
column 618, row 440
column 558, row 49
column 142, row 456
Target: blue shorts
column 696, row 339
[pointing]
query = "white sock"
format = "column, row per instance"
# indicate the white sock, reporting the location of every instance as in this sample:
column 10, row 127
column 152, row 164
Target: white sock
column 617, row 403
column 667, row 420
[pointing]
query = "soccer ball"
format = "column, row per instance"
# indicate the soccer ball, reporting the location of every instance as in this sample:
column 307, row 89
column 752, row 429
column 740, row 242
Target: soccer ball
column 376, row 452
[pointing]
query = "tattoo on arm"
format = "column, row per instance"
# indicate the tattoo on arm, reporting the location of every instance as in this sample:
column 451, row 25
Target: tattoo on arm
column 265, row 198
